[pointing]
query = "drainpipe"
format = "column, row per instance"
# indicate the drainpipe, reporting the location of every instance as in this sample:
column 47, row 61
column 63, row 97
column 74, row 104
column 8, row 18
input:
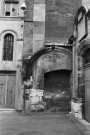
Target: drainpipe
column 23, row 8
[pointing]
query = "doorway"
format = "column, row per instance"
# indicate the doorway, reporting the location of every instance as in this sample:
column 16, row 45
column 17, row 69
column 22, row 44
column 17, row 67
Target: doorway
column 58, row 90
column 7, row 89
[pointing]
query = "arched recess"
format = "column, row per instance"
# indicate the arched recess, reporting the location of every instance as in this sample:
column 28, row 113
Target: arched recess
column 51, row 70
column 46, row 60
column 31, row 59
column 45, row 50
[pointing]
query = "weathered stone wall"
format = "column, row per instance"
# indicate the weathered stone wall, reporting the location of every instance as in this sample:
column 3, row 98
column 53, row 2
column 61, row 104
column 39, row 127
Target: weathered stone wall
column 81, row 68
column 35, row 102
column 39, row 25
column 86, row 2
column 60, row 16
column 28, row 29
column 34, row 31
column 48, row 21
column 13, row 25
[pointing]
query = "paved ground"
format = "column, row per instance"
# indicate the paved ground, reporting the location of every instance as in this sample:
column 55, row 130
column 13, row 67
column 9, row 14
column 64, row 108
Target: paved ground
column 12, row 123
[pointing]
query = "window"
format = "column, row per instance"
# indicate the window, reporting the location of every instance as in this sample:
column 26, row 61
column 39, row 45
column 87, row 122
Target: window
column 11, row 9
column 8, row 47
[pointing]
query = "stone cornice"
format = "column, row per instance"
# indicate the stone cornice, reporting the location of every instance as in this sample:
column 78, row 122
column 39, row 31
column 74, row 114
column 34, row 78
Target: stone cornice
column 57, row 44
column 12, row 18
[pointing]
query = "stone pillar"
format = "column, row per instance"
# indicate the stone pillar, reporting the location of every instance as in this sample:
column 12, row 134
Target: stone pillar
column 19, row 90
column 75, row 94
column 39, row 78
column 81, row 78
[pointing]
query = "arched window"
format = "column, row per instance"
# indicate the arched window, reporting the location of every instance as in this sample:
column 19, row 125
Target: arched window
column 8, row 47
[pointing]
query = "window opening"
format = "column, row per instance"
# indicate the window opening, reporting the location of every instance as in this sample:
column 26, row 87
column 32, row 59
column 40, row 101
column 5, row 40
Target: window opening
column 8, row 47
column 7, row 13
column 11, row 9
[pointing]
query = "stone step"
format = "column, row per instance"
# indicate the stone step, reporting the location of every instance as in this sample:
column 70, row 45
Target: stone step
column 7, row 109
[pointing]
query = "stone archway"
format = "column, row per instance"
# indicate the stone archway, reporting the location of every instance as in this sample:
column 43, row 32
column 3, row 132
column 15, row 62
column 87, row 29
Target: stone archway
column 54, row 63
column 51, row 60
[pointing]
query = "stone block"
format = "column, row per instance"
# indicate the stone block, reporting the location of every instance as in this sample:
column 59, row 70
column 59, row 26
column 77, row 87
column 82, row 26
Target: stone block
column 40, row 93
column 37, row 108
column 28, row 105
column 34, row 99
column 39, row 12
column 39, row 1
column 33, row 92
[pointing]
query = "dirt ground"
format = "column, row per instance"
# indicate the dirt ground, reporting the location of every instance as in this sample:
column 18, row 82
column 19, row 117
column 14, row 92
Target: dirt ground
column 15, row 123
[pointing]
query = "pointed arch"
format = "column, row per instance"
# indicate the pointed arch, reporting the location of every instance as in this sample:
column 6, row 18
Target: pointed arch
column 44, row 50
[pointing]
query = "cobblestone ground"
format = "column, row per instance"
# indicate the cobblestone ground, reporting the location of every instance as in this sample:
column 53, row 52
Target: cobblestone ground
column 14, row 123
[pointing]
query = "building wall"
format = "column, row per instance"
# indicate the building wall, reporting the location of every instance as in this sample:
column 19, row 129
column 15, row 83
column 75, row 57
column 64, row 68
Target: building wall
column 79, row 60
column 28, row 29
column 15, row 26
column 79, row 70
column 49, row 22
column 60, row 15
column 82, row 62
column 6, row 26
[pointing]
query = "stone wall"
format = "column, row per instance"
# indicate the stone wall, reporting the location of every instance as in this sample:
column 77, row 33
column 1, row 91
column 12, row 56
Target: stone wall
column 35, row 102
column 86, row 2
column 39, row 25
column 48, row 21
column 60, row 16
column 28, row 29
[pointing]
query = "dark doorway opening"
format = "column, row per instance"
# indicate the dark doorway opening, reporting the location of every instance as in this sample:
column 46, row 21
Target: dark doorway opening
column 57, row 94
